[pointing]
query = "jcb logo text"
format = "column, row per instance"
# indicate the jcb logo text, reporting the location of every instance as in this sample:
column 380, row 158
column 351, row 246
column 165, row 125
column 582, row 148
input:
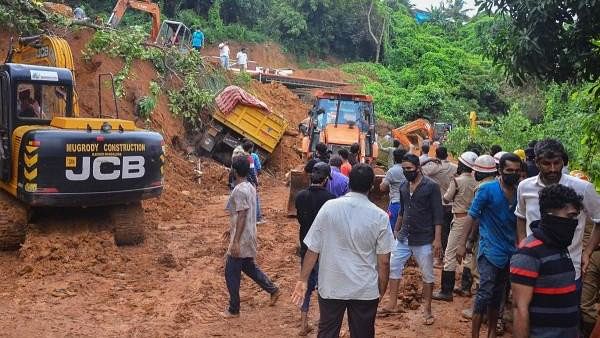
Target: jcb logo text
column 107, row 168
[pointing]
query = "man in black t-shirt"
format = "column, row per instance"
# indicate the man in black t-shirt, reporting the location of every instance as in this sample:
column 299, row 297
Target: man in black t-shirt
column 308, row 203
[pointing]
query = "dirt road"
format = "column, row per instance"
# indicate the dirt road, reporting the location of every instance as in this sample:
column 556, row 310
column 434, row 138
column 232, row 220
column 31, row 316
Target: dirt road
column 71, row 280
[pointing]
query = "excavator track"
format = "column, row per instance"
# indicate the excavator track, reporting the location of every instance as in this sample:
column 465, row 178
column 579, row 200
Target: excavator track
column 128, row 222
column 13, row 222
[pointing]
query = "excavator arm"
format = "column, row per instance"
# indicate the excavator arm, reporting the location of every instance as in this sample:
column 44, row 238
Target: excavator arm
column 413, row 133
column 140, row 5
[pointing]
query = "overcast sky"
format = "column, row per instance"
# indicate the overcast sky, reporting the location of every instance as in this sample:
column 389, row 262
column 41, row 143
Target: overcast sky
column 426, row 4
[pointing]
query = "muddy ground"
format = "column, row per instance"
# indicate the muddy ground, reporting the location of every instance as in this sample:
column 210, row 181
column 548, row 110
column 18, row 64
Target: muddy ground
column 71, row 280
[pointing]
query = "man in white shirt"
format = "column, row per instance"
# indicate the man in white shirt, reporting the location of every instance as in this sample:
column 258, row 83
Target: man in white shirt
column 550, row 156
column 224, row 54
column 352, row 240
column 242, row 60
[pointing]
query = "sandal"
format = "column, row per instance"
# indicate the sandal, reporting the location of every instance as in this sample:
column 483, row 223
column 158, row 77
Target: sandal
column 304, row 332
column 429, row 320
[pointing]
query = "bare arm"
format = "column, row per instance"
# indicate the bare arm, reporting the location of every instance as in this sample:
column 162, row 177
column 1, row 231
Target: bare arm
column 310, row 259
column 522, row 295
column 591, row 246
column 521, row 229
column 239, row 229
column 384, row 186
column 383, row 269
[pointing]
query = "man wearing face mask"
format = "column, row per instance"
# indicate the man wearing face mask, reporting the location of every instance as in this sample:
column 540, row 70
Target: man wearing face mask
column 418, row 232
column 493, row 206
column 550, row 155
column 545, row 300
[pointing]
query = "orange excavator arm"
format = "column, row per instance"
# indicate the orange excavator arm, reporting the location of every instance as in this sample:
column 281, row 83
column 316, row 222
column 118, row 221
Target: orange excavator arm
column 420, row 128
column 140, row 5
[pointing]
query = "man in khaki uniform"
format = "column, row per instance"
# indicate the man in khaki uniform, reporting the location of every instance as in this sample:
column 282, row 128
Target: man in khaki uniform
column 442, row 172
column 460, row 194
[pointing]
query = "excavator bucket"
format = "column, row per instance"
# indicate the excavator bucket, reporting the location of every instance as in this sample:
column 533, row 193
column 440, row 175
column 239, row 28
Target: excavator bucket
column 298, row 180
column 380, row 198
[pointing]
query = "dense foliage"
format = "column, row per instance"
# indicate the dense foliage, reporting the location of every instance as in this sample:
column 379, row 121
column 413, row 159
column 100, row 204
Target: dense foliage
column 546, row 39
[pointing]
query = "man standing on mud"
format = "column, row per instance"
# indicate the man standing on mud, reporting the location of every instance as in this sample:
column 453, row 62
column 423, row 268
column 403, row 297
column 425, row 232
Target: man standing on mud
column 243, row 245
column 352, row 240
column 308, row 203
column 394, row 178
column 418, row 233
column 494, row 206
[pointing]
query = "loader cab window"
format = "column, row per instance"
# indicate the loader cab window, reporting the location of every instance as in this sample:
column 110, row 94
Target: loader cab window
column 350, row 112
column 41, row 101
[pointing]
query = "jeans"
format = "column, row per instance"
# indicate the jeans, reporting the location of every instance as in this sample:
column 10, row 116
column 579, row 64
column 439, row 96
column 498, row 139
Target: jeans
column 225, row 61
column 394, row 211
column 312, row 285
column 361, row 317
column 233, row 275
column 402, row 252
column 258, row 214
column 492, row 285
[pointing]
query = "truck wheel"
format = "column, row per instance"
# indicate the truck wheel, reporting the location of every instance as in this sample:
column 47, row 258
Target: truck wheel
column 13, row 222
column 128, row 221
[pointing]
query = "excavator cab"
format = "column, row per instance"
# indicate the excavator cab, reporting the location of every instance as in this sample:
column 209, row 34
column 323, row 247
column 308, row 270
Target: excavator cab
column 174, row 34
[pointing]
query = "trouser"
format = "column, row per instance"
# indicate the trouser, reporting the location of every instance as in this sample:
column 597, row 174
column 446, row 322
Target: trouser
column 455, row 238
column 258, row 213
column 446, row 226
column 225, row 61
column 474, row 268
column 590, row 294
column 233, row 275
column 361, row 317
column 393, row 212
column 313, row 278
column 492, row 286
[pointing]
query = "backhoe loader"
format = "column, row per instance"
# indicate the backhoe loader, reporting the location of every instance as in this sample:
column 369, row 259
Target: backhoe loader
column 50, row 157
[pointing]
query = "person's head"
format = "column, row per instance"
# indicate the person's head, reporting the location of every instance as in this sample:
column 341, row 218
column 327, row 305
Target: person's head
column 361, row 178
column 495, row 149
column 396, row 143
column 321, row 148
column 310, row 165
column 484, row 167
column 24, row 95
column 247, row 146
column 320, row 173
column 559, row 209
column 344, row 153
column 550, row 159
column 425, row 149
column 529, row 154
column 411, row 167
column 241, row 166
column 441, row 153
column 354, row 148
column 510, row 169
column 336, row 161
column 243, row 50
column 399, row 155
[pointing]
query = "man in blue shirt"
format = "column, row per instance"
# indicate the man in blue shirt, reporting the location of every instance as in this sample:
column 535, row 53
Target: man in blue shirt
column 493, row 206
column 338, row 184
column 198, row 40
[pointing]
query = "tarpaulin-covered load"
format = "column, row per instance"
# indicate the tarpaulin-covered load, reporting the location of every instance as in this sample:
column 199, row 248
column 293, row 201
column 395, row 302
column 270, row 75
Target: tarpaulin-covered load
column 232, row 96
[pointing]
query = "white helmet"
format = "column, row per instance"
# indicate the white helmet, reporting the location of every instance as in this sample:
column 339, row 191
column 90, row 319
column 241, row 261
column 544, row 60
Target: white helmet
column 468, row 158
column 485, row 164
column 499, row 155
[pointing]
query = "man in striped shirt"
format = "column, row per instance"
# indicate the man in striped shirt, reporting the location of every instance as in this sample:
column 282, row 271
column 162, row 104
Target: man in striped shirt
column 545, row 301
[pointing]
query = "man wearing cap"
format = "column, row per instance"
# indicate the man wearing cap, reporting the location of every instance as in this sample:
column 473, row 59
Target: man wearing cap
column 460, row 193
column 352, row 240
column 493, row 206
column 308, row 203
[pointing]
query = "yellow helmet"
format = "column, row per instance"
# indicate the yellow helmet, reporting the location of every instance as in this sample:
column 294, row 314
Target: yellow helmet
column 520, row 153
column 580, row 175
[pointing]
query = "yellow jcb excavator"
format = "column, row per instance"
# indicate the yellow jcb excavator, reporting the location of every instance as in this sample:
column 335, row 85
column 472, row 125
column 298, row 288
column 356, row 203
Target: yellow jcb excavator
column 51, row 157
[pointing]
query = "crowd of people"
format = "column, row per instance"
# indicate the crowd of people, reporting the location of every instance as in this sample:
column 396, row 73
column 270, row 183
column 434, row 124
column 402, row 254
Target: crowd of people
column 521, row 230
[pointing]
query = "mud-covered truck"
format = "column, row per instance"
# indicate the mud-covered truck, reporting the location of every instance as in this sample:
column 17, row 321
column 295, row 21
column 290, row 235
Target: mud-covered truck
column 240, row 115
column 49, row 157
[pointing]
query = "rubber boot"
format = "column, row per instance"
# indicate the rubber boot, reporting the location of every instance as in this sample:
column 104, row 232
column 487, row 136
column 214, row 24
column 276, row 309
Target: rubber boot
column 465, row 283
column 445, row 293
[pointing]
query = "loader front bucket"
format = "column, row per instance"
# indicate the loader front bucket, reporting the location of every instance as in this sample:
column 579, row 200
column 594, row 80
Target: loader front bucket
column 380, row 198
column 298, row 180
